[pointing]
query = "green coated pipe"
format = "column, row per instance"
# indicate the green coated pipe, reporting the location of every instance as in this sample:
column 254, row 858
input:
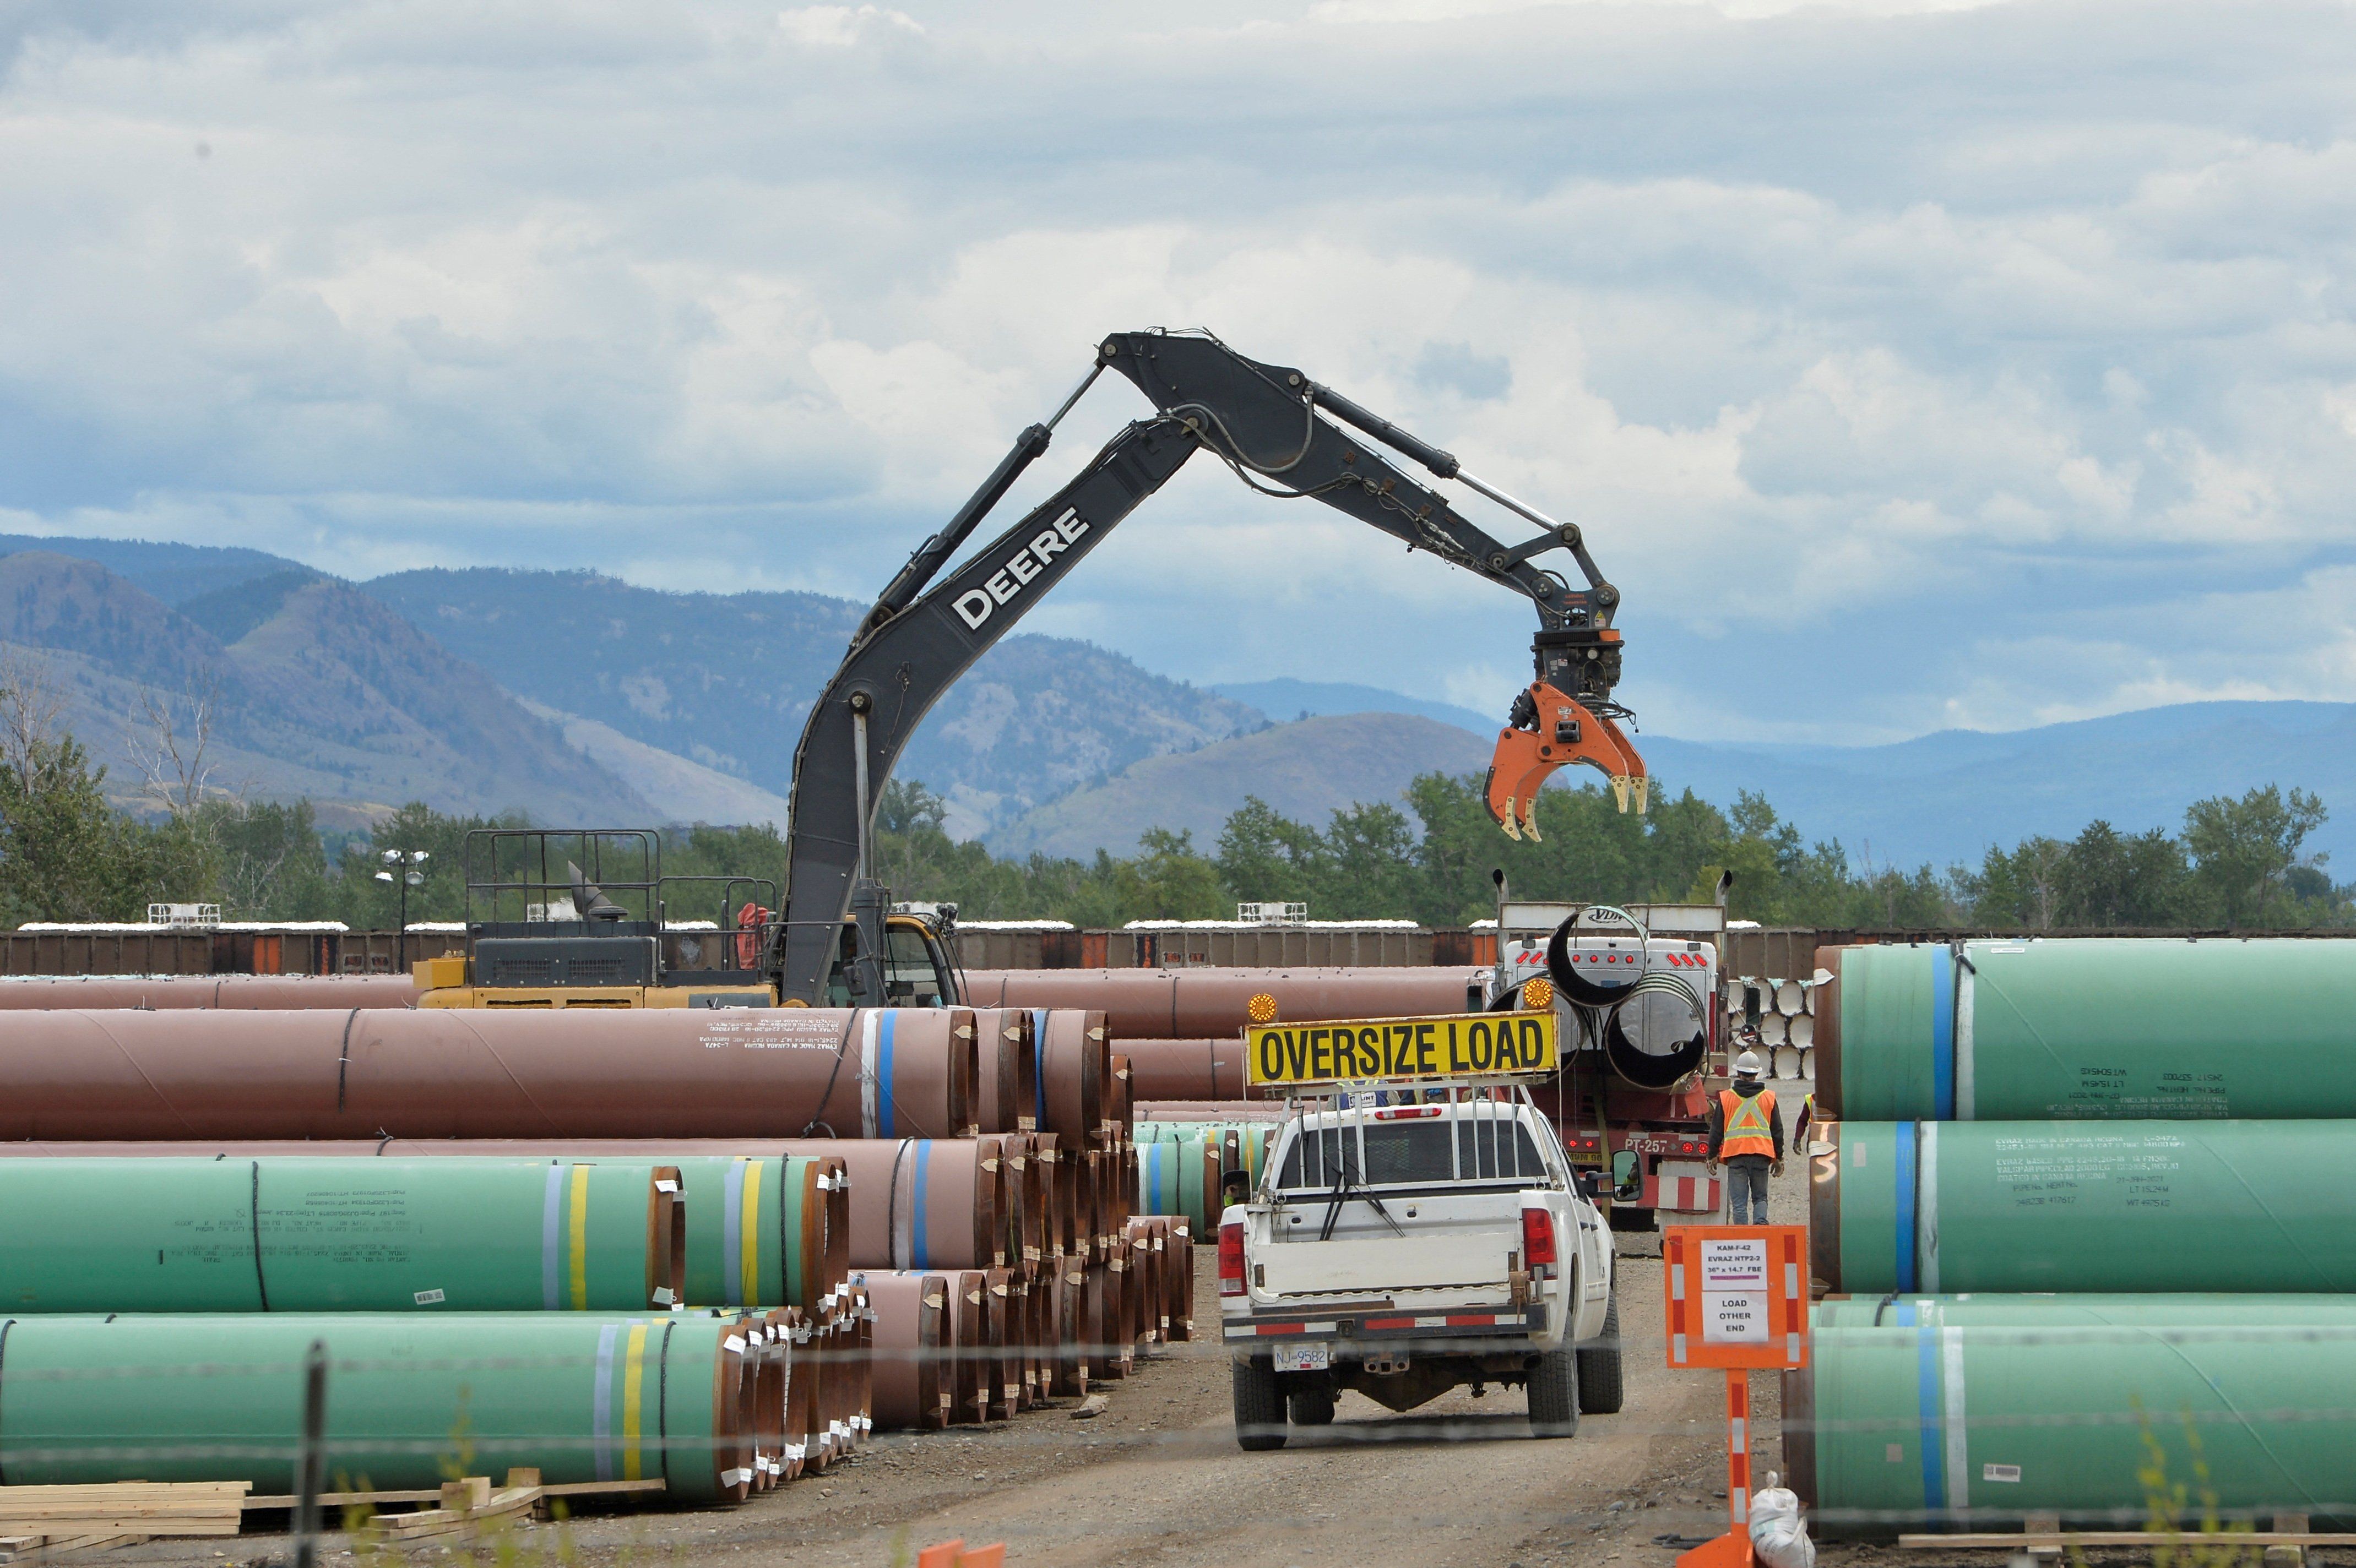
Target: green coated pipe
column 1964, row 1425
column 1180, row 1176
column 2128, row 1029
column 2095, row 1310
column 2082, row 1206
column 1242, row 1146
column 412, row 1398
column 302, row 1234
column 756, row 1231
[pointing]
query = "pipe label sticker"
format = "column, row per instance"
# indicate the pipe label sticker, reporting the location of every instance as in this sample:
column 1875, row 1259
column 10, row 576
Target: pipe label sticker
column 1999, row 1472
column 429, row 1298
column 1734, row 1295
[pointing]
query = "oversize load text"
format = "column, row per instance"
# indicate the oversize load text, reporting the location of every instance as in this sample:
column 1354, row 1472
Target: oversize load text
column 1401, row 1048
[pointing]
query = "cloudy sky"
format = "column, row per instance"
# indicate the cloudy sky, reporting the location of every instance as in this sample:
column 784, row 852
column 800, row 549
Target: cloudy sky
column 1912, row 365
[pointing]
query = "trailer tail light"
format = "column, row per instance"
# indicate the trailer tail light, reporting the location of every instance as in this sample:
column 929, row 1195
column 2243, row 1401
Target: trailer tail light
column 1538, row 1239
column 1402, row 1112
column 1231, row 1259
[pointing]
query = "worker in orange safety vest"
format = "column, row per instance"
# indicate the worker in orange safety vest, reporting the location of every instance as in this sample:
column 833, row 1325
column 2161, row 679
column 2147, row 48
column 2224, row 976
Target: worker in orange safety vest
column 1746, row 1133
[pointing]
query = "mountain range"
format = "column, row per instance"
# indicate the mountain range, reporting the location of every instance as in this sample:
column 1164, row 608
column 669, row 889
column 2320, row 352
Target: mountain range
column 578, row 698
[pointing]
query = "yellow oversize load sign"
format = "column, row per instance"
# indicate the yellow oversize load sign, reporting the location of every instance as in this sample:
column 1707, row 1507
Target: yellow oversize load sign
column 1460, row 1045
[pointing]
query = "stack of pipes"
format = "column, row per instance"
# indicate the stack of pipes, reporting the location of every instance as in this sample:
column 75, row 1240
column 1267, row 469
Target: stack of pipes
column 2076, row 1223
column 775, row 1172
column 1784, row 1012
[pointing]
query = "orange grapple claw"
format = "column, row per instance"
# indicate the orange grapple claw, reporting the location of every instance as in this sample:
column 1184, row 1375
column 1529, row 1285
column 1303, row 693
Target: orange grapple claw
column 1569, row 732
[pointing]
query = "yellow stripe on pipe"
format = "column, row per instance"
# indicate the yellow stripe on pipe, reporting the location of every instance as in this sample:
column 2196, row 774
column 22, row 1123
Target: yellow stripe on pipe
column 634, row 1404
column 748, row 1242
column 579, row 1238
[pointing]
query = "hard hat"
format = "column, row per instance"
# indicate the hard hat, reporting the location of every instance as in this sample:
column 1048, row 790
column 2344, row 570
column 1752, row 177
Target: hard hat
column 1746, row 1064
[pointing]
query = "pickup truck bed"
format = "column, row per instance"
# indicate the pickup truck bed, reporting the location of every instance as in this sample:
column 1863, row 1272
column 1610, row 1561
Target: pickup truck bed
column 1405, row 1251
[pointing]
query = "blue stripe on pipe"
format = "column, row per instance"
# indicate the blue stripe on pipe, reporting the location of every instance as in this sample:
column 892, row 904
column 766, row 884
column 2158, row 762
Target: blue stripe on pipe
column 1902, row 1150
column 1039, row 1061
column 1926, row 1394
column 550, row 1210
column 883, row 1118
column 731, row 1236
column 600, row 1404
column 1151, row 1198
column 924, row 1149
column 1943, row 1035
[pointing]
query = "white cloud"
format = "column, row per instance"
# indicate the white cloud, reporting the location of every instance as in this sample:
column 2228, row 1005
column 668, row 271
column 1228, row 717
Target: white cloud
column 841, row 26
column 1857, row 349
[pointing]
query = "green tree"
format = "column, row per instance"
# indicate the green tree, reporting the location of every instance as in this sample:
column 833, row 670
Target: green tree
column 2244, row 853
column 1168, row 881
column 268, row 860
column 2112, row 880
column 1265, row 856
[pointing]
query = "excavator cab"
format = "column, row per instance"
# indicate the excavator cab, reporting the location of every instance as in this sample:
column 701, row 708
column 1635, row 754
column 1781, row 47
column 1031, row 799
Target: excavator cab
column 918, row 971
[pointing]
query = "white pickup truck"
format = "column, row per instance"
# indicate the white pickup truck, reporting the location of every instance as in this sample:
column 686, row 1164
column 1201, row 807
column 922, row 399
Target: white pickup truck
column 1406, row 1250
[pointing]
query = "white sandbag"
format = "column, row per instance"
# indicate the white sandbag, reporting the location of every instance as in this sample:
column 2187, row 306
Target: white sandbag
column 1778, row 1537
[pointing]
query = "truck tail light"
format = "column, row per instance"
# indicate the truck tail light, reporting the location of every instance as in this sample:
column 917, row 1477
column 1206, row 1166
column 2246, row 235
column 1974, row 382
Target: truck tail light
column 1538, row 1239
column 1231, row 1259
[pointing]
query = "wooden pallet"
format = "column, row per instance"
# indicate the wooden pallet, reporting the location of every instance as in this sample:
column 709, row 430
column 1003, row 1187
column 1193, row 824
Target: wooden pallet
column 2042, row 1538
column 34, row 1549
column 53, row 1515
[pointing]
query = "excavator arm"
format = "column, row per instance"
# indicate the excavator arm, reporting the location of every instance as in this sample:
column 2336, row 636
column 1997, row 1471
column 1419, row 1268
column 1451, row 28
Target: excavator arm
column 1282, row 434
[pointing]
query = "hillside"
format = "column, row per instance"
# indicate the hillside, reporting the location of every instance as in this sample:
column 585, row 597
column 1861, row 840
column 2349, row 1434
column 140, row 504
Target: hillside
column 727, row 680
column 329, row 695
column 1305, row 769
column 1314, row 698
column 174, row 574
column 1946, row 796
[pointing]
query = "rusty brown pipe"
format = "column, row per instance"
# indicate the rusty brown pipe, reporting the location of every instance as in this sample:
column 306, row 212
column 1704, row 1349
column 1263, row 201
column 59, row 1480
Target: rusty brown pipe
column 1004, row 1368
column 1208, row 1071
column 802, row 1388
column 431, row 1072
column 1071, row 1361
column 972, row 1360
column 1210, row 1111
column 267, row 993
column 1828, row 1045
column 1006, row 1087
column 907, row 1357
column 1198, row 1003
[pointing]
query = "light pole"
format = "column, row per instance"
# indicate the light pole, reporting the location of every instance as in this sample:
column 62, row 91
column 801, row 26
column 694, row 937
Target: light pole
column 410, row 864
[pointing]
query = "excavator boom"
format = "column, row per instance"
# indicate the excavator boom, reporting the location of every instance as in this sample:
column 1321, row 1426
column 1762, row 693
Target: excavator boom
column 1282, row 434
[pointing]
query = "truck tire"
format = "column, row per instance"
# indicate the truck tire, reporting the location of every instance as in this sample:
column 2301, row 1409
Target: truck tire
column 1260, row 1408
column 1600, row 1387
column 1313, row 1406
column 1554, row 1395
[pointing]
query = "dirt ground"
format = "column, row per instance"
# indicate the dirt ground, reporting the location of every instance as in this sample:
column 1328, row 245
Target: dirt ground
column 1158, row 1479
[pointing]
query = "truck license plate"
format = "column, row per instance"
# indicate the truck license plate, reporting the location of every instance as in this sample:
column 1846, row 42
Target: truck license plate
column 1303, row 1358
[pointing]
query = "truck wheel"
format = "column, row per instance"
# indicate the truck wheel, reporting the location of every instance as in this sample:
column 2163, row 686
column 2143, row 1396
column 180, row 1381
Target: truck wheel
column 1599, row 1390
column 1554, row 1395
column 1314, row 1407
column 1260, row 1408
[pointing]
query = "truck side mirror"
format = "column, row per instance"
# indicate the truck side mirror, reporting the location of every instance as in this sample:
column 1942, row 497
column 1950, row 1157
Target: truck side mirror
column 1590, row 1185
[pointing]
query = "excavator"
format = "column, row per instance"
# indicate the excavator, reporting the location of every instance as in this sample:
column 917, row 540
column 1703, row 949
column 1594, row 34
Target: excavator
column 835, row 939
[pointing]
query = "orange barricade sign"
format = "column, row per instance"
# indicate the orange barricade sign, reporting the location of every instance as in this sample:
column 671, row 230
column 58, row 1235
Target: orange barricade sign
column 1737, row 1298
column 1737, row 1295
